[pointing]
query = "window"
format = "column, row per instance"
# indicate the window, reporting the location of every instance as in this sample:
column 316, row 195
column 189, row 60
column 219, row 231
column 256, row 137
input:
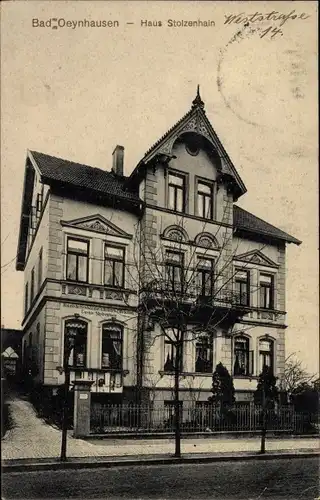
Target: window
column 266, row 291
column 170, row 353
column 176, row 192
column 192, row 148
column 205, row 277
column 77, row 330
column 40, row 269
column 77, row 260
column 32, row 286
column 114, row 266
column 204, row 354
column 174, row 270
column 112, row 340
column 205, row 200
column 242, row 285
column 265, row 354
column 26, row 299
column 39, row 203
column 243, row 358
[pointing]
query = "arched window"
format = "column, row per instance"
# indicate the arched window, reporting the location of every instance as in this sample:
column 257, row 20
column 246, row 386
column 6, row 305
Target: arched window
column 206, row 240
column 112, row 346
column 175, row 233
column 243, row 357
column 266, row 354
column 77, row 331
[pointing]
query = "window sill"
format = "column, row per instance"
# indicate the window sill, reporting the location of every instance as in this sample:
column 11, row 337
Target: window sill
column 251, row 377
column 96, row 285
column 91, row 370
column 186, row 374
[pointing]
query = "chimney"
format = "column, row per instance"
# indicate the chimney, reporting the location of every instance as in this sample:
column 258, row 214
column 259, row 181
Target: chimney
column 117, row 160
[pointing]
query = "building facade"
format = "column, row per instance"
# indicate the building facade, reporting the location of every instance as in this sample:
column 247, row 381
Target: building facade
column 100, row 251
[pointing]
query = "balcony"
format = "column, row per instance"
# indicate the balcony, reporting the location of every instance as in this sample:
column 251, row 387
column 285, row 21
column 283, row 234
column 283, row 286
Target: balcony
column 162, row 289
column 160, row 294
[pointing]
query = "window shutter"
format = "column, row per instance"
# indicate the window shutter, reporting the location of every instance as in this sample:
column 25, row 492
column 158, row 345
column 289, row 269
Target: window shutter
column 251, row 362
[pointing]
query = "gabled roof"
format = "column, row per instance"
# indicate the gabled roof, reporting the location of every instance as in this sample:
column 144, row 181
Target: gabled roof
column 195, row 120
column 248, row 222
column 57, row 170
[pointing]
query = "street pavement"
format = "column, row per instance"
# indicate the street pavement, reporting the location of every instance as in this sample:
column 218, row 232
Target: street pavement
column 31, row 437
column 280, row 479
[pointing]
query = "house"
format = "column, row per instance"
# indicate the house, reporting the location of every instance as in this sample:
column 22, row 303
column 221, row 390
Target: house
column 11, row 339
column 100, row 250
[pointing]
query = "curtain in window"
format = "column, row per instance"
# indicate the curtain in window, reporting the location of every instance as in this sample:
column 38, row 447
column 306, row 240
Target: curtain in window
column 266, row 354
column 76, row 331
column 112, row 339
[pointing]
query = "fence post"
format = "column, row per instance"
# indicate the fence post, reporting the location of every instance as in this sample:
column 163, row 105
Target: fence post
column 82, row 407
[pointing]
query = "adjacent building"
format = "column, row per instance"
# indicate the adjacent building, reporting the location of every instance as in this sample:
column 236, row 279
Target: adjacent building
column 96, row 246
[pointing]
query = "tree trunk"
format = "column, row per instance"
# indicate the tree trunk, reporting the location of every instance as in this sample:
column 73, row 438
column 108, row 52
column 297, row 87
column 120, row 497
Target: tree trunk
column 177, row 401
column 264, row 424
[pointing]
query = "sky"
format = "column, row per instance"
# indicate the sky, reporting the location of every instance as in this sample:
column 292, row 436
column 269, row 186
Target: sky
column 75, row 92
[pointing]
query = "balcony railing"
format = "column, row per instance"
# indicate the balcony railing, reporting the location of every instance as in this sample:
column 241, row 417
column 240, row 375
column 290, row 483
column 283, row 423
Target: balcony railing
column 190, row 292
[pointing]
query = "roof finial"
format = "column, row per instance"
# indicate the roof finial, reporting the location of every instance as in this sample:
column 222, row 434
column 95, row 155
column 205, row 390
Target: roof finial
column 198, row 102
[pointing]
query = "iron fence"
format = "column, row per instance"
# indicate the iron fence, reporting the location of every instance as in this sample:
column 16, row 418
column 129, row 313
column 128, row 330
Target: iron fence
column 200, row 418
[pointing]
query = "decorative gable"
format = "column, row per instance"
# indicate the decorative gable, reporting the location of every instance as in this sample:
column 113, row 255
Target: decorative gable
column 256, row 257
column 196, row 121
column 98, row 224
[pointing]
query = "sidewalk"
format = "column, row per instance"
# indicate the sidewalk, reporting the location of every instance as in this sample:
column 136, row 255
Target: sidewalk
column 31, row 438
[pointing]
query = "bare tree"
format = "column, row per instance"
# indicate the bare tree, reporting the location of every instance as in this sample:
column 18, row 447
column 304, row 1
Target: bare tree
column 186, row 291
column 295, row 374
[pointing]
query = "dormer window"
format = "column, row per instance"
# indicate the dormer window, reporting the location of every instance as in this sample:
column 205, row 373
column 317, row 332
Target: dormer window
column 176, row 192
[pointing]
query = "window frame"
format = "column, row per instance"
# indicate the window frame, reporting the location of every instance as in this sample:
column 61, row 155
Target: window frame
column 114, row 260
column 204, row 342
column 40, row 267
column 264, row 353
column 248, row 356
column 202, row 271
column 32, row 285
column 74, row 353
column 263, row 286
column 78, row 254
column 246, row 282
column 200, row 194
column 173, row 352
column 173, row 265
column 176, row 188
column 119, row 328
